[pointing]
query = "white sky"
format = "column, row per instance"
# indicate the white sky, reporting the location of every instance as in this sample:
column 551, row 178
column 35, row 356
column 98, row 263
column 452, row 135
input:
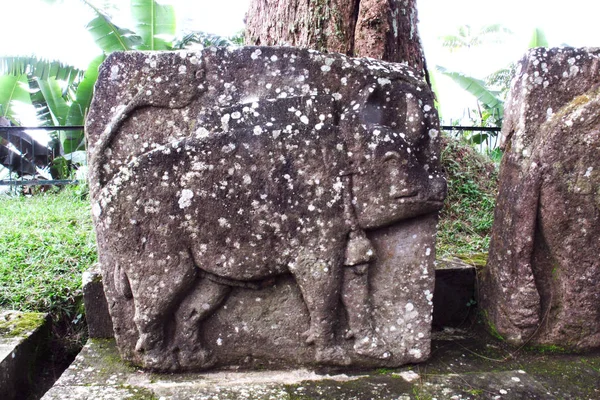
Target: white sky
column 57, row 31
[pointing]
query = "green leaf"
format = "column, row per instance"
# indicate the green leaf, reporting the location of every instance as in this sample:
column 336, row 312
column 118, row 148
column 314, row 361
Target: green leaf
column 478, row 89
column 13, row 89
column 57, row 105
column 39, row 68
column 108, row 36
column 155, row 23
column 538, row 39
column 85, row 91
column 74, row 140
column 434, row 88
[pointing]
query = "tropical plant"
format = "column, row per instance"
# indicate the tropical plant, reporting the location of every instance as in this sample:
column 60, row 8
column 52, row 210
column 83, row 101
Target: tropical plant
column 465, row 37
column 61, row 94
column 491, row 91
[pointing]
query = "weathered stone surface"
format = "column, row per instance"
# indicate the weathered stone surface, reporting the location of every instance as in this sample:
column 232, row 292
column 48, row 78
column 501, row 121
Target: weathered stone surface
column 457, row 370
column 22, row 336
column 96, row 309
column 543, row 275
column 265, row 207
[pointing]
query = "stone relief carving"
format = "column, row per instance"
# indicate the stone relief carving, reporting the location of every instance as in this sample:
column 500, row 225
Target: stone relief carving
column 541, row 282
column 302, row 176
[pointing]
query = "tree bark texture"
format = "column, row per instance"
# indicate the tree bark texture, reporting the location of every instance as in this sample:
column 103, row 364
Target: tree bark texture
column 380, row 29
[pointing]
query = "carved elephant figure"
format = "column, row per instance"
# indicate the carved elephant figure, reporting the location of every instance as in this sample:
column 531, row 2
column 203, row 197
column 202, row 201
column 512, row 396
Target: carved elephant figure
column 263, row 188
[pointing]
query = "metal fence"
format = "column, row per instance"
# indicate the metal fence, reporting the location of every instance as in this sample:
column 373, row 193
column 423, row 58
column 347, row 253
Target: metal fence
column 25, row 160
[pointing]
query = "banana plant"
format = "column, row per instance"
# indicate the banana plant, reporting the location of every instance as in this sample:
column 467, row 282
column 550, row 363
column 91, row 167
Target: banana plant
column 154, row 23
column 62, row 94
column 491, row 101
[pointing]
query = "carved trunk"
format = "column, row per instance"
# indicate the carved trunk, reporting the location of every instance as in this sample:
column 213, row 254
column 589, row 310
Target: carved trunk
column 380, row 29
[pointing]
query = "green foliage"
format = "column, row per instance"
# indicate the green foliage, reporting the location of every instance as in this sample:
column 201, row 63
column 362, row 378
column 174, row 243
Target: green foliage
column 46, row 242
column 538, row 39
column 207, row 39
column 466, row 37
column 154, row 23
column 13, row 88
column 467, row 216
column 39, row 68
column 488, row 98
column 108, row 36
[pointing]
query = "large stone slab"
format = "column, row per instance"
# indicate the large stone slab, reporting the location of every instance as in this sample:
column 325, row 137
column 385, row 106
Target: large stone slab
column 542, row 282
column 96, row 308
column 22, row 336
column 460, row 369
column 265, row 207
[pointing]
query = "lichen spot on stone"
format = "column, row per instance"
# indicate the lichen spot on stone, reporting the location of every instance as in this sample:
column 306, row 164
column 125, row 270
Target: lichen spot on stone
column 185, row 199
column 383, row 81
column 96, row 210
column 182, row 69
column 114, row 72
column 255, row 54
column 202, row 132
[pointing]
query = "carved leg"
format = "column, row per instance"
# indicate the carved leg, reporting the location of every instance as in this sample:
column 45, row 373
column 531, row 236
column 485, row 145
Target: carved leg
column 355, row 296
column 155, row 297
column 203, row 299
column 319, row 282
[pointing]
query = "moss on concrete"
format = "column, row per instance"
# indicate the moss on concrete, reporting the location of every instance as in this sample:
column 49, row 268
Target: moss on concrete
column 20, row 324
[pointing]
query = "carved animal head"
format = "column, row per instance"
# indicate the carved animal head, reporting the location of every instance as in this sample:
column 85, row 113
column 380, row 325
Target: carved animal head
column 394, row 155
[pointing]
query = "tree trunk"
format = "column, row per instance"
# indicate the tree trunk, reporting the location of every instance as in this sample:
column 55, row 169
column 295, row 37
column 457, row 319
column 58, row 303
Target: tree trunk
column 381, row 29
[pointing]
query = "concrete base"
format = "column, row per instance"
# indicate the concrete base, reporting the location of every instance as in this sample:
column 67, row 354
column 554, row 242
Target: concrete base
column 462, row 367
column 21, row 337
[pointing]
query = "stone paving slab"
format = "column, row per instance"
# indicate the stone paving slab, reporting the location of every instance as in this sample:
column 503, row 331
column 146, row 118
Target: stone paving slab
column 21, row 335
column 462, row 367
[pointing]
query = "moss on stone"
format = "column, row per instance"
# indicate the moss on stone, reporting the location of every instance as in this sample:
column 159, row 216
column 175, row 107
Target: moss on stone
column 491, row 328
column 478, row 260
column 20, row 324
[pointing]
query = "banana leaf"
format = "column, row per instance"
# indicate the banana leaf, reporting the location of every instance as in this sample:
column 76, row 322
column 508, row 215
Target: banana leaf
column 538, row 39
column 53, row 96
column 13, row 89
column 477, row 88
column 74, row 140
column 108, row 36
column 39, row 68
column 155, row 23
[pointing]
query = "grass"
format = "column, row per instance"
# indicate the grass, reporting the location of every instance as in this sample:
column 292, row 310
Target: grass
column 46, row 242
column 468, row 213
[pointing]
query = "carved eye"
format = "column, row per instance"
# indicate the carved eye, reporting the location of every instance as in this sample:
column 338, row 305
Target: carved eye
column 391, row 156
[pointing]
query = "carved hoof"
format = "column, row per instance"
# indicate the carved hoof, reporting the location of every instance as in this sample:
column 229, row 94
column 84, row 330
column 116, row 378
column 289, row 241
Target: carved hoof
column 370, row 346
column 197, row 359
column 309, row 337
column 163, row 361
column 147, row 342
column 334, row 355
